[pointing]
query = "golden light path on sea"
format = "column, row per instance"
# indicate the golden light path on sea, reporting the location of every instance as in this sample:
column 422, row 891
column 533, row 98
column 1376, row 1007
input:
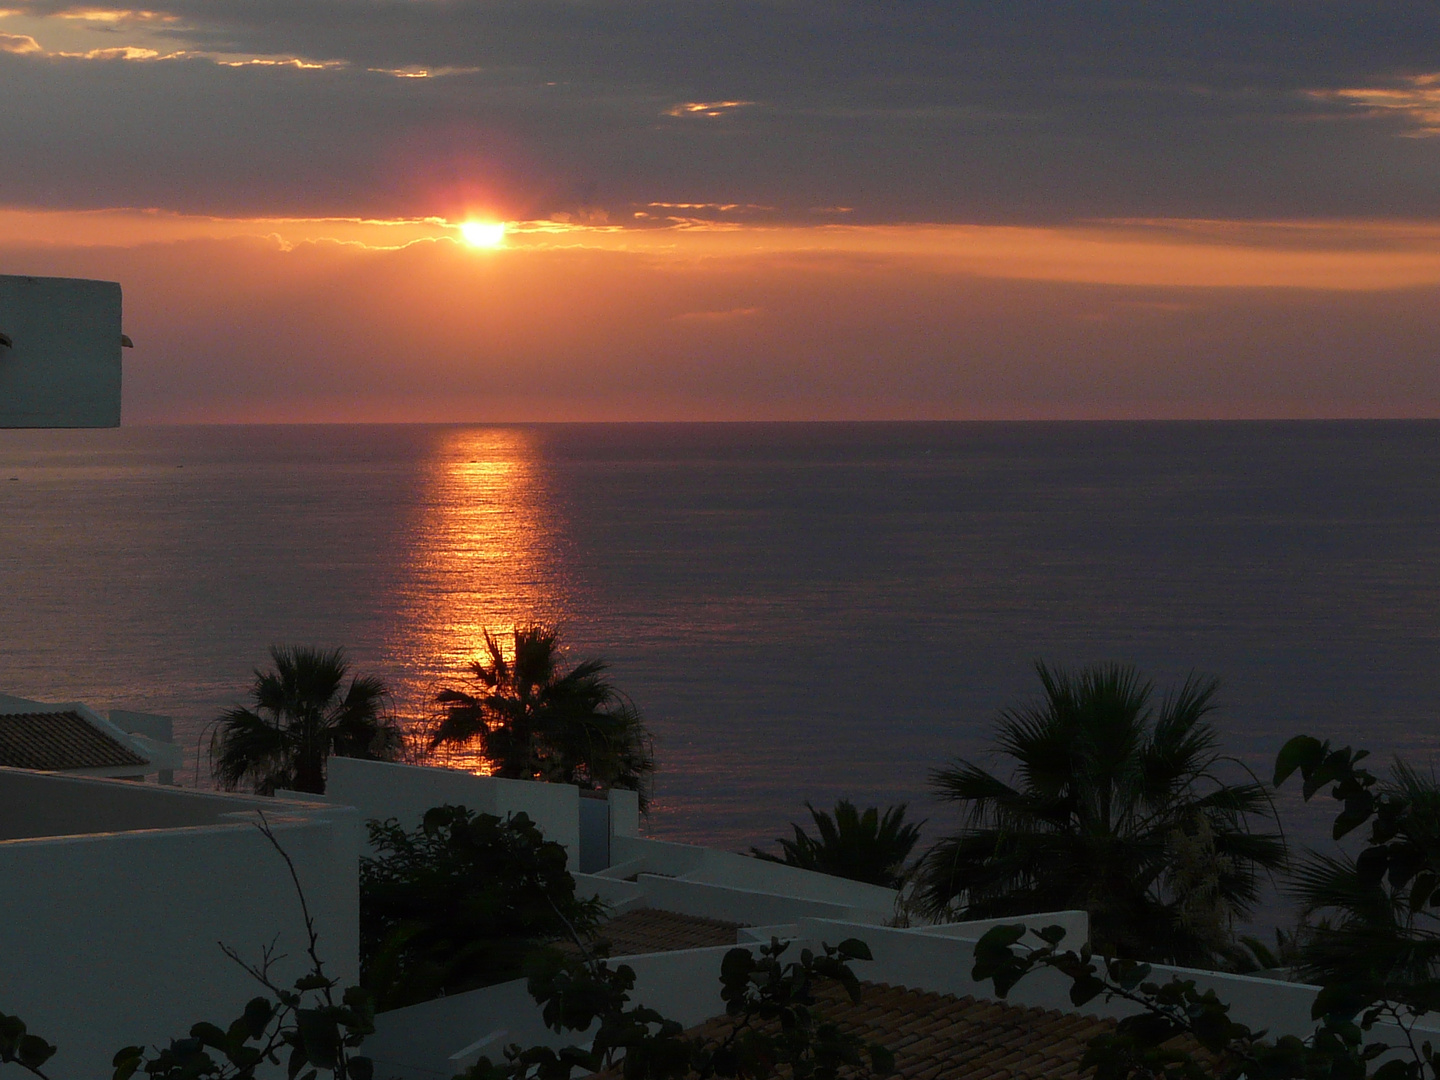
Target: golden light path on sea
column 482, row 558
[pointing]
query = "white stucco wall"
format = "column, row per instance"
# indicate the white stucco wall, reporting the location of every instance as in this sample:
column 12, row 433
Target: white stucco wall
column 381, row 790
column 438, row 1038
column 111, row 938
column 62, row 368
column 746, row 906
column 633, row 855
column 921, row 959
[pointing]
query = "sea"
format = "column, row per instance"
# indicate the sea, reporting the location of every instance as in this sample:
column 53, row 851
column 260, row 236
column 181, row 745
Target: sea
column 802, row 611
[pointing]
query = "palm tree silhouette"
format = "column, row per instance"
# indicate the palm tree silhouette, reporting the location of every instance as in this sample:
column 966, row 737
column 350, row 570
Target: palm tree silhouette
column 862, row 847
column 302, row 714
column 1115, row 807
column 533, row 721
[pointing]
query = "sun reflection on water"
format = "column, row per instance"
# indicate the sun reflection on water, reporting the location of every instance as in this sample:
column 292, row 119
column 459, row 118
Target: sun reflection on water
column 482, row 557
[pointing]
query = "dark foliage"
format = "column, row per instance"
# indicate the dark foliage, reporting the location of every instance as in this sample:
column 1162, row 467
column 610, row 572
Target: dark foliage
column 1180, row 1032
column 302, row 714
column 22, row 1047
column 1379, row 936
column 459, row 903
column 533, row 721
column 776, row 1028
column 1116, row 807
column 1377, row 963
column 862, row 847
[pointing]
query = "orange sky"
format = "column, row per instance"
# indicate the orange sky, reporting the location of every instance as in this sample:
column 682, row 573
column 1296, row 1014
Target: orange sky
column 739, row 208
column 316, row 319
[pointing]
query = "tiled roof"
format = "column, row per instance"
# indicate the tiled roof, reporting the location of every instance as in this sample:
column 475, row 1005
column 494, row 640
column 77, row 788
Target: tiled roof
column 59, row 740
column 650, row 930
column 942, row 1037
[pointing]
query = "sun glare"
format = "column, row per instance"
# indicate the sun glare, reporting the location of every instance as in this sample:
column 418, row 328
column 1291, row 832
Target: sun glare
column 483, row 234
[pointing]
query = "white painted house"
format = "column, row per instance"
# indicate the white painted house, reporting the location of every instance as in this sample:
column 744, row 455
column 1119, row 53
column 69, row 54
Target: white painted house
column 71, row 738
column 60, row 342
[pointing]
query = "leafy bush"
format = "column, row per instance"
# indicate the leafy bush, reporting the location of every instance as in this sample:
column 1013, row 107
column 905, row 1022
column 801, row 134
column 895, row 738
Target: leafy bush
column 460, row 903
column 771, row 1003
column 862, row 847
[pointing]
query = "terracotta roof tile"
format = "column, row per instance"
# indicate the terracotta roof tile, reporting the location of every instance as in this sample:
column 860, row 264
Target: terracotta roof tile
column 59, row 740
column 943, row 1037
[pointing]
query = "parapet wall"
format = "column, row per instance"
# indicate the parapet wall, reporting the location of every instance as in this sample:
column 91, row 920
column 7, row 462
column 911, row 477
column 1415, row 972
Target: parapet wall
column 113, row 938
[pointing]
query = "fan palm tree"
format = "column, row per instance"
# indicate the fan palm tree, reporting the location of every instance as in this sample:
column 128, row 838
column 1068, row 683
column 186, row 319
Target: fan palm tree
column 862, row 847
column 534, row 721
column 1376, row 916
column 303, row 712
column 1116, row 807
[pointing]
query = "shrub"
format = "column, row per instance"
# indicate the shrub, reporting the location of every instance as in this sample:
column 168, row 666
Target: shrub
column 460, row 902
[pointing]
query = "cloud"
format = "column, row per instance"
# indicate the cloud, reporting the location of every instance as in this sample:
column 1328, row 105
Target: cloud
column 19, row 44
column 1415, row 102
column 706, row 110
column 728, row 315
column 931, row 110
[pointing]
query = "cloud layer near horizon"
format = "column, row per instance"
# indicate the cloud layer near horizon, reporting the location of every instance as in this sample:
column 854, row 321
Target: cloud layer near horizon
column 790, row 110
column 251, row 329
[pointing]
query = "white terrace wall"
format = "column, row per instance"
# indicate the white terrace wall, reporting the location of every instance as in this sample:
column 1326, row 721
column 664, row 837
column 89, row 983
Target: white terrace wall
column 922, row 959
column 382, row 790
column 110, row 938
column 440, row 1038
column 749, row 907
column 637, row 855
column 36, row 804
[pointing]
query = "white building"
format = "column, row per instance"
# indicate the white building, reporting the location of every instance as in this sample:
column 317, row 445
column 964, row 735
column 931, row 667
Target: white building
column 116, row 897
column 71, row 738
column 60, row 341
column 117, row 894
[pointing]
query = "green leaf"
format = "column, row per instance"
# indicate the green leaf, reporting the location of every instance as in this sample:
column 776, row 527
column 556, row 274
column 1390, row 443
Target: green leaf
column 1303, row 751
column 32, row 1051
column 126, row 1061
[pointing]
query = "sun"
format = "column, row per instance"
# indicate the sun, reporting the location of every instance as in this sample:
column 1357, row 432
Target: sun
column 483, row 234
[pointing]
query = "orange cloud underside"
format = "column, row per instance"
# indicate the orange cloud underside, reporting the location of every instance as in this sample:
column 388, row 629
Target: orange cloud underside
column 1346, row 256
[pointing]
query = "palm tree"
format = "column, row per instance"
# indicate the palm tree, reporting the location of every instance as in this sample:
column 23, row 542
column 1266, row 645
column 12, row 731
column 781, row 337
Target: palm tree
column 533, row 721
column 303, row 712
column 1376, row 919
column 862, row 847
column 1115, row 807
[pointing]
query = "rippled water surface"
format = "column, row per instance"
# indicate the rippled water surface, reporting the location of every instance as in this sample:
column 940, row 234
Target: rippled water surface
column 802, row 611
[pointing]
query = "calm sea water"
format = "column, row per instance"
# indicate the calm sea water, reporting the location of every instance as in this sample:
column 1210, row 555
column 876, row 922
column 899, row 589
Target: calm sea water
column 802, row 611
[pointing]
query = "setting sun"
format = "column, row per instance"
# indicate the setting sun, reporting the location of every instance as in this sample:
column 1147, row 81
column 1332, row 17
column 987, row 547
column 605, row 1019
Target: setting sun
column 487, row 234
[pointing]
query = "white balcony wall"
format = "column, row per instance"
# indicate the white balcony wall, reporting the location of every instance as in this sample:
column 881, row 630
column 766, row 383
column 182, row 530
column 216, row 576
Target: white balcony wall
column 111, row 916
column 382, row 790
column 636, row 855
